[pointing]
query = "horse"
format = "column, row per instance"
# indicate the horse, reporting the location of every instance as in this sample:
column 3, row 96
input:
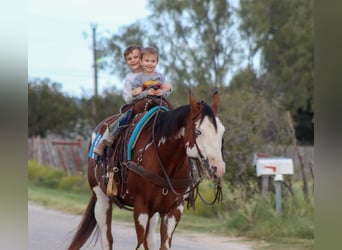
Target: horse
column 156, row 176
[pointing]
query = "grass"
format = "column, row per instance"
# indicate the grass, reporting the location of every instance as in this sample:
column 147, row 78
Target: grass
column 75, row 203
column 254, row 219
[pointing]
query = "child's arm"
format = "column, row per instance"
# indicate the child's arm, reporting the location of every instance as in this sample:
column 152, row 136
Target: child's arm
column 165, row 89
column 137, row 91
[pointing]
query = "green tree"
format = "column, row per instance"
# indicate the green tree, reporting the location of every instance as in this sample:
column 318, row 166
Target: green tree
column 253, row 124
column 283, row 32
column 197, row 41
column 49, row 111
column 106, row 105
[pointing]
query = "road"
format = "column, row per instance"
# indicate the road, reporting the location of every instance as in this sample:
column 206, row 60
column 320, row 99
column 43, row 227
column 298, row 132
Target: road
column 50, row 229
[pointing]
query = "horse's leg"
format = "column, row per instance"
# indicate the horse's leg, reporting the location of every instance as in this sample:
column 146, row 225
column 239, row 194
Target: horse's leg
column 141, row 220
column 151, row 234
column 168, row 225
column 103, row 215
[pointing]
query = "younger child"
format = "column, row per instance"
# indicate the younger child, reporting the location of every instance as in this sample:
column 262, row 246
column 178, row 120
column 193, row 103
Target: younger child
column 150, row 82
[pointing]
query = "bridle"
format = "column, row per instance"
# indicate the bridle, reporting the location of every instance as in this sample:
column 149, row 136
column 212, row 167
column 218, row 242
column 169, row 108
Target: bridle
column 203, row 162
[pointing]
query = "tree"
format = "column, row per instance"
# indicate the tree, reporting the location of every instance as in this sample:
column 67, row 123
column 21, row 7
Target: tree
column 49, row 111
column 283, row 32
column 106, row 105
column 196, row 40
column 253, row 124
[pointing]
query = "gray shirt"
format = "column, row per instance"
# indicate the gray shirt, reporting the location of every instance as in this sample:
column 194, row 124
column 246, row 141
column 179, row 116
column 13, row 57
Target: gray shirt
column 127, row 92
column 141, row 78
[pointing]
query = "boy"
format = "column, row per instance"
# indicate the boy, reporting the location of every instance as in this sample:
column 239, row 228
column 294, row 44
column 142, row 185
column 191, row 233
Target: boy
column 132, row 59
column 149, row 82
column 137, row 89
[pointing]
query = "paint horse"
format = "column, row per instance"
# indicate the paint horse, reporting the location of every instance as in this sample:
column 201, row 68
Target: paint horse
column 157, row 174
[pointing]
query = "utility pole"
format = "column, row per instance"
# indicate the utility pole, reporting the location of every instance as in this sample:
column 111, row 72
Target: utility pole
column 93, row 26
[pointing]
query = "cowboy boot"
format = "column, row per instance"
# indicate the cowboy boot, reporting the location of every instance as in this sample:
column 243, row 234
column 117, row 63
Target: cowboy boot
column 116, row 133
column 108, row 141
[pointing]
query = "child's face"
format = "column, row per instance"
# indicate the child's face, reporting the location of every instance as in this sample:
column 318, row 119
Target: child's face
column 149, row 63
column 133, row 60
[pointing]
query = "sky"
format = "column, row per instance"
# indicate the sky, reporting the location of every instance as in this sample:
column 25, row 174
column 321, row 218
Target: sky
column 60, row 40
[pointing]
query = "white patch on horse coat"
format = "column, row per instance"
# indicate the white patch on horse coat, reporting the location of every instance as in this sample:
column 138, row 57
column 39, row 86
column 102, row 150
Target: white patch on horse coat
column 181, row 133
column 100, row 211
column 151, row 239
column 142, row 219
column 210, row 144
column 180, row 208
column 171, row 225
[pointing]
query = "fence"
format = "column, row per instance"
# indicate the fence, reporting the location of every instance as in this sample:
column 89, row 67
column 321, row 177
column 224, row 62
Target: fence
column 67, row 155
column 71, row 155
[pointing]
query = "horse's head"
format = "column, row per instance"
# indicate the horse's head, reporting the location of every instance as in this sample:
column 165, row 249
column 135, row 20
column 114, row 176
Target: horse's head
column 205, row 133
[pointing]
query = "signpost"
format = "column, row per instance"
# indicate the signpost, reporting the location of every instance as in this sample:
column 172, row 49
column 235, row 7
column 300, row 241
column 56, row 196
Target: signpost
column 274, row 166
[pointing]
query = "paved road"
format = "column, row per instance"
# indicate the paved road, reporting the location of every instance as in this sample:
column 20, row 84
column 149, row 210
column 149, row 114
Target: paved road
column 49, row 229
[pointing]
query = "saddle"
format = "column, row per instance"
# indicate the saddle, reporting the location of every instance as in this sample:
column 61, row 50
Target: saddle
column 114, row 158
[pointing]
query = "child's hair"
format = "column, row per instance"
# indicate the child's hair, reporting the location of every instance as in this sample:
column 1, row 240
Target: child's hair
column 130, row 48
column 149, row 50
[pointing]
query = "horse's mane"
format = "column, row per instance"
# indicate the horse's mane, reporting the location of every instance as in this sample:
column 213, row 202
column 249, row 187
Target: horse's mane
column 169, row 123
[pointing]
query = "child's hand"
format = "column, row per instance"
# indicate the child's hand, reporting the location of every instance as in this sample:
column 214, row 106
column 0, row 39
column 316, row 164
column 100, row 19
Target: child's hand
column 136, row 91
column 158, row 92
column 151, row 91
column 165, row 86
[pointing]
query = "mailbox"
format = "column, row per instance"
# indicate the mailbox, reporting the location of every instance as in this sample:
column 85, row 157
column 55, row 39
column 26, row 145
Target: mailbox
column 274, row 166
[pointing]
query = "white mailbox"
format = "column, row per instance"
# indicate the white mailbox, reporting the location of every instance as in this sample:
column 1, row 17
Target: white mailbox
column 274, row 166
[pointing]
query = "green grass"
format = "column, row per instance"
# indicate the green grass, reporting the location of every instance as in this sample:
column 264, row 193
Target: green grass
column 253, row 219
column 69, row 202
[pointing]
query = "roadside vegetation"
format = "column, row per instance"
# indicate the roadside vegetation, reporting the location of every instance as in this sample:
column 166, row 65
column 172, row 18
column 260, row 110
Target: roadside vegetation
column 254, row 219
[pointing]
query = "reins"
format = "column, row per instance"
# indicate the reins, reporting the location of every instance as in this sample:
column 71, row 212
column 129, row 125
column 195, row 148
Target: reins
column 218, row 195
column 168, row 180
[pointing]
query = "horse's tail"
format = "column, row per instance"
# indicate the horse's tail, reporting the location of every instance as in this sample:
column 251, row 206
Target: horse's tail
column 86, row 226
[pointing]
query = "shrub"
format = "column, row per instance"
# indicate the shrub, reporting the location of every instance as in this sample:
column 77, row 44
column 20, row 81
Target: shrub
column 54, row 178
column 76, row 183
column 256, row 217
column 207, row 191
column 42, row 175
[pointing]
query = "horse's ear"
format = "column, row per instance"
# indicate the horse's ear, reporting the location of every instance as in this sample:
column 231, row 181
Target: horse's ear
column 194, row 105
column 215, row 103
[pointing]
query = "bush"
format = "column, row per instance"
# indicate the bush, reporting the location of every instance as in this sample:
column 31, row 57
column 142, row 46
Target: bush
column 76, row 183
column 207, row 191
column 54, row 178
column 256, row 217
column 42, row 175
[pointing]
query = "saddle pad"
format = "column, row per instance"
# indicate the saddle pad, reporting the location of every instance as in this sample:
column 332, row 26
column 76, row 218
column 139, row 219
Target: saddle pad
column 139, row 127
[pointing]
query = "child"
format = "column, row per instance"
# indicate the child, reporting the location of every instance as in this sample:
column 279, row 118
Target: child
column 149, row 82
column 132, row 59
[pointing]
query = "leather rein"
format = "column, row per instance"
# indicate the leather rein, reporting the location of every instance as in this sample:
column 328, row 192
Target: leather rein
column 171, row 184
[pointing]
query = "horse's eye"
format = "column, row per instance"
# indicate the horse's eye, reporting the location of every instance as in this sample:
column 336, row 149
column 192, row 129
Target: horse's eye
column 197, row 132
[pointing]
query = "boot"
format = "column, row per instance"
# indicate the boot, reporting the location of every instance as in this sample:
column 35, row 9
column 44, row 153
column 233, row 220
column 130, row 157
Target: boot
column 99, row 149
column 116, row 133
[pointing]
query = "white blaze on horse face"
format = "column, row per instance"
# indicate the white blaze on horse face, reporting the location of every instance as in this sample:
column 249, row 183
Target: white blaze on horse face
column 100, row 211
column 210, row 144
